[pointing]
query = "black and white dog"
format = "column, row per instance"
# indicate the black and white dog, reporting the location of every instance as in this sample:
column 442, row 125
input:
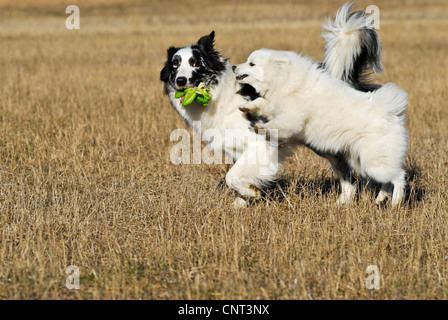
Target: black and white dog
column 352, row 50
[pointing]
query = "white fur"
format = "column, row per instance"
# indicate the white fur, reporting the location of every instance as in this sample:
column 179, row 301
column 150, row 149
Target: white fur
column 185, row 69
column 309, row 106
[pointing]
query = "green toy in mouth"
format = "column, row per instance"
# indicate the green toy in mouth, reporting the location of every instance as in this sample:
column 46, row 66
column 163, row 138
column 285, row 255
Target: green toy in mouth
column 199, row 94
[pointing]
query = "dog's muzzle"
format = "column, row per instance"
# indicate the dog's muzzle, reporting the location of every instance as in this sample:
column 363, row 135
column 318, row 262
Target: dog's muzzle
column 241, row 77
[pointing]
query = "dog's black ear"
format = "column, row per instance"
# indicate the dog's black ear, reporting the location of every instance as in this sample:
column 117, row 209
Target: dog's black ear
column 170, row 52
column 211, row 56
column 206, row 42
column 165, row 73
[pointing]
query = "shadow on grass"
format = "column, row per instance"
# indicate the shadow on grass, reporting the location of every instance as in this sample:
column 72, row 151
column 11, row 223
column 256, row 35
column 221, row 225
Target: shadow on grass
column 415, row 192
column 323, row 186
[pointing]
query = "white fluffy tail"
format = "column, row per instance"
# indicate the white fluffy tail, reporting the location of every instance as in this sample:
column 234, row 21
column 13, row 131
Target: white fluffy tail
column 392, row 99
column 353, row 45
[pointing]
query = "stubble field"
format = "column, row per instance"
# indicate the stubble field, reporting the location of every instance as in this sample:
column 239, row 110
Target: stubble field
column 86, row 177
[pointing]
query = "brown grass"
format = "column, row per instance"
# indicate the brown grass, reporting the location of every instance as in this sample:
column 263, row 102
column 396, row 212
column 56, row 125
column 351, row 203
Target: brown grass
column 86, row 178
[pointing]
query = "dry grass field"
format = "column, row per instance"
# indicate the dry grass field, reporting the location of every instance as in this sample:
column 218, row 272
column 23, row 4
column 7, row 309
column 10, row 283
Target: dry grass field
column 86, row 177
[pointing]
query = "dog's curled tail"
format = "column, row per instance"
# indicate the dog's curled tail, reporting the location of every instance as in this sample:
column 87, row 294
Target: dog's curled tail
column 392, row 99
column 353, row 48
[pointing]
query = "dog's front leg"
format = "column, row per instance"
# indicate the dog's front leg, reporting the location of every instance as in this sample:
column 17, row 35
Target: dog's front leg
column 257, row 166
column 284, row 129
column 240, row 179
column 256, row 105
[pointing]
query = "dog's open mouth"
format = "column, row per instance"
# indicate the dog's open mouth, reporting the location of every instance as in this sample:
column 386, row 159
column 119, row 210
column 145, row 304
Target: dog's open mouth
column 241, row 77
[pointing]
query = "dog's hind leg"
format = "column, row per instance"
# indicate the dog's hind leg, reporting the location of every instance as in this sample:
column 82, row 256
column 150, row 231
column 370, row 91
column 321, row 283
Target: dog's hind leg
column 343, row 172
column 384, row 192
column 399, row 186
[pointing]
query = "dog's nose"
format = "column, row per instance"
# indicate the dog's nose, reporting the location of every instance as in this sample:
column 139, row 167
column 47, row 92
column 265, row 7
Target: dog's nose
column 233, row 68
column 181, row 81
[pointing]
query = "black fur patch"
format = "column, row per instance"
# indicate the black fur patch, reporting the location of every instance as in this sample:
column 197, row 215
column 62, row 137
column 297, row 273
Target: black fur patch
column 248, row 92
column 255, row 118
column 368, row 60
column 211, row 56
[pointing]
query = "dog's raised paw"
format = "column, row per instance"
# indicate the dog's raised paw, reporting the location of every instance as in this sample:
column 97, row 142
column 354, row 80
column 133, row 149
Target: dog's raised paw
column 259, row 129
column 245, row 109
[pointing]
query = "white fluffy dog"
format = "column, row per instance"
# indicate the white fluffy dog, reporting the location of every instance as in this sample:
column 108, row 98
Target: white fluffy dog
column 308, row 106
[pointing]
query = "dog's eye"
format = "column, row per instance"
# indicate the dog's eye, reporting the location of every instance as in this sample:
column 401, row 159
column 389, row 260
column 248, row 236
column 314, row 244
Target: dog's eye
column 252, row 64
column 175, row 64
column 196, row 65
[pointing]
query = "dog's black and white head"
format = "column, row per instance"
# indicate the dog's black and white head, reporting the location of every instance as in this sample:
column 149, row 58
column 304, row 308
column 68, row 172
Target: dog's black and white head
column 187, row 67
